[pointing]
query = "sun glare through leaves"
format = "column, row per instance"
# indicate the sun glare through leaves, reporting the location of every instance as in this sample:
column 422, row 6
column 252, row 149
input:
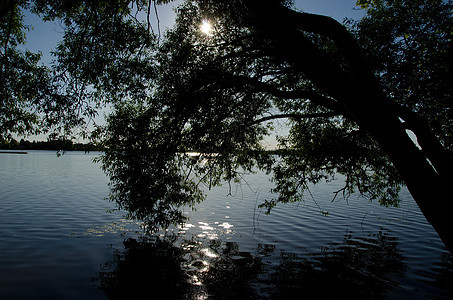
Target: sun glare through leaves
column 206, row 27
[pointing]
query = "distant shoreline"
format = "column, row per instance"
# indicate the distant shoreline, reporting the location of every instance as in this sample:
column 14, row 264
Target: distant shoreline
column 13, row 152
column 56, row 145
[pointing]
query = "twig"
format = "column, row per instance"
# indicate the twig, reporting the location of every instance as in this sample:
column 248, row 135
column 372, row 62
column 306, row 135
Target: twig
column 314, row 200
column 337, row 192
column 254, row 211
column 361, row 223
column 157, row 17
column 148, row 19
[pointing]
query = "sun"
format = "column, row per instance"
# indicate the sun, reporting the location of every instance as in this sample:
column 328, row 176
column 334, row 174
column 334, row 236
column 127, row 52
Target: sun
column 206, row 27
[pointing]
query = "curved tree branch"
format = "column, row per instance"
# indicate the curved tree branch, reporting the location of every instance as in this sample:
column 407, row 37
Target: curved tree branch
column 293, row 116
column 260, row 86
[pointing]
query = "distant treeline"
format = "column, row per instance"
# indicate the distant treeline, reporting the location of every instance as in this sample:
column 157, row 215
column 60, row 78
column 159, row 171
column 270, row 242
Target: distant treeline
column 65, row 145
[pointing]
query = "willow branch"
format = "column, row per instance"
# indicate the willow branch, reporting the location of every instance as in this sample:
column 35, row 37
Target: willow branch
column 293, row 116
column 157, row 18
column 150, row 28
column 314, row 97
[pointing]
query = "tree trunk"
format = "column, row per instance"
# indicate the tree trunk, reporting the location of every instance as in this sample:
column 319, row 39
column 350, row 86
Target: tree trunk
column 360, row 95
column 427, row 187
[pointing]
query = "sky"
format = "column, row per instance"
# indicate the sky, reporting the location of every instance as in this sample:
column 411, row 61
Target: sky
column 45, row 36
column 337, row 9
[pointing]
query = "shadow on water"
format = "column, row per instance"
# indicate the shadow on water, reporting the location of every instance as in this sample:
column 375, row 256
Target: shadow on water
column 358, row 268
column 147, row 265
column 172, row 267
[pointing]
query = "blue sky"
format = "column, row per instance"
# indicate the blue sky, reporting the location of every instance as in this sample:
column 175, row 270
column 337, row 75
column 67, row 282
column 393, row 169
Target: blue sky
column 337, row 9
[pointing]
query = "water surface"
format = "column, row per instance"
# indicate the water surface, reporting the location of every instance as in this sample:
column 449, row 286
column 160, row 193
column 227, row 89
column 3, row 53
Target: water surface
column 58, row 241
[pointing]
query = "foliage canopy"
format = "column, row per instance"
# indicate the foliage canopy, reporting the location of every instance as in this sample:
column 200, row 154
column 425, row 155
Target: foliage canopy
column 342, row 93
column 213, row 93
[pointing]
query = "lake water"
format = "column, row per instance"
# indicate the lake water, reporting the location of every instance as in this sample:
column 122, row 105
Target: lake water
column 58, row 240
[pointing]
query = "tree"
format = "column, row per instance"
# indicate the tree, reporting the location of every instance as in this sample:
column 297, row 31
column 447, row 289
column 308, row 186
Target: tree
column 101, row 38
column 18, row 73
column 408, row 45
column 213, row 92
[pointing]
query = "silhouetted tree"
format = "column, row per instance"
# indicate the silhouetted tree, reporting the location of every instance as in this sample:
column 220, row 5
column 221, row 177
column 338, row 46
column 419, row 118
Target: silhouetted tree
column 350, row 97
column 214, row 91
